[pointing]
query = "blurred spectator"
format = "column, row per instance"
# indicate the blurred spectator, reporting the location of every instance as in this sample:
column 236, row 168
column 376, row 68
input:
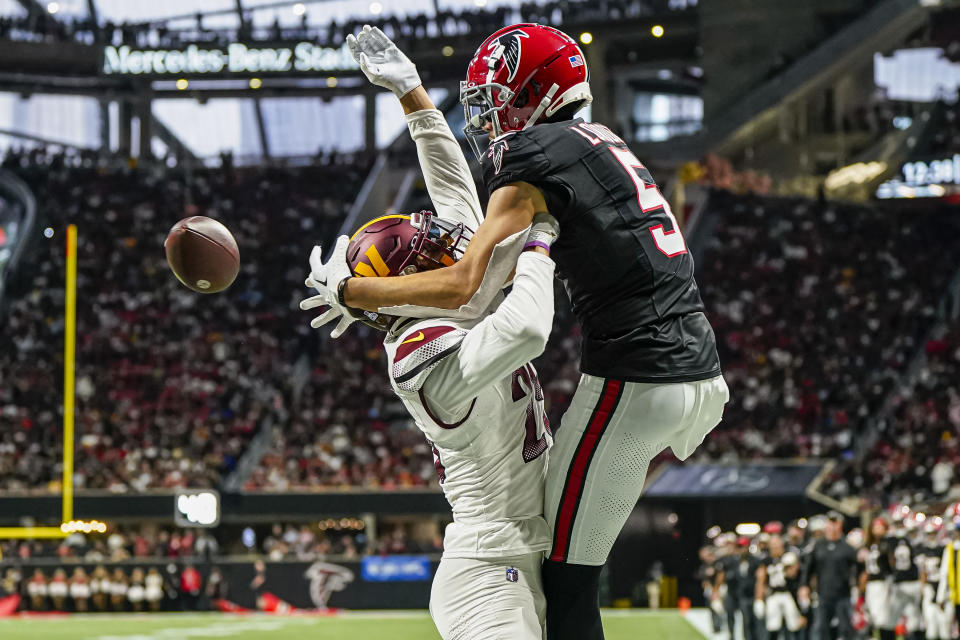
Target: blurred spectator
column 190, row 588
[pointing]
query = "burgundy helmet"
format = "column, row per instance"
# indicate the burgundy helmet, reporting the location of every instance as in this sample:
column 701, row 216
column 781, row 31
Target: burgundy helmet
column 521, row 75
column 398, row 245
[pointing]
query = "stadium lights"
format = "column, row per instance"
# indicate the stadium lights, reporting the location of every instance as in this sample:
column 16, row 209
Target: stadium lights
column 53, row 7
column 83, row 526
column 299, row 9
column 447, row 51
column 656, row 30
column 256, row 83
column 376, row 8
column 48, row 232
column 332, row 82
column 802, row 523
column 480, row 3
column 748, row 528
column 182, row 84
column 586, row 37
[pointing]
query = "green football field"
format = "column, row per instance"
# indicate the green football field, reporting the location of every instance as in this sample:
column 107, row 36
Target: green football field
column 619, row 625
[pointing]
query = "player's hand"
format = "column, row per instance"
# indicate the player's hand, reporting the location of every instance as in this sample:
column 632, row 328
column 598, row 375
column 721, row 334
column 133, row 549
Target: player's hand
column 382, row 61
column 716, row 604
column 326, row 278
column 803, row 597
column 543, row 232
column 759, row 610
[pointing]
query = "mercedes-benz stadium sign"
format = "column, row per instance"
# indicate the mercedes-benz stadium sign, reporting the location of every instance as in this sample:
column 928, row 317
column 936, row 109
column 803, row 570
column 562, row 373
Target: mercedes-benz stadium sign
column 238, row 58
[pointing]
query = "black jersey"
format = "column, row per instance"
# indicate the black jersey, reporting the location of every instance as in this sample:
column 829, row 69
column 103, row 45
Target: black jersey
column 781, row 577
column 906, row 564
column 620, row 254
column 932, row 554
column 876, row 562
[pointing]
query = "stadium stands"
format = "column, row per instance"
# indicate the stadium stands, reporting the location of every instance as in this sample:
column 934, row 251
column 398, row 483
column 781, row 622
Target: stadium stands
column 169, row 386
column 817, row 307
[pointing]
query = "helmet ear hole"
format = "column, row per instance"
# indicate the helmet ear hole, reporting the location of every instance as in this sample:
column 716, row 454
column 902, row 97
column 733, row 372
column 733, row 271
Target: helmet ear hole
column 522, row 98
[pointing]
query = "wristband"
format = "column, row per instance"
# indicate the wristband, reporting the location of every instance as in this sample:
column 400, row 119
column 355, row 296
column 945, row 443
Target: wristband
column 536, row 243
column 340, row 291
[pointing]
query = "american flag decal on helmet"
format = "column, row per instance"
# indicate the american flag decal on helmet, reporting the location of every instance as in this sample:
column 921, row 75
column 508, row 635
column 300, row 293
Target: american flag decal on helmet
column 576, row 61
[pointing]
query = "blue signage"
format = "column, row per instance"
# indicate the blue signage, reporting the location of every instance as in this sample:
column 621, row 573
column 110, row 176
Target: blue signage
column 396, row 568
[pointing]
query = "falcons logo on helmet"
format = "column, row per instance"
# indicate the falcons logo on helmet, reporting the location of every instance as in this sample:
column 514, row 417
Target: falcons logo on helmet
column 507, row 48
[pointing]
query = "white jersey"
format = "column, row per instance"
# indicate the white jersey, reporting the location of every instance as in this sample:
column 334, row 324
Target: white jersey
column 471, row 389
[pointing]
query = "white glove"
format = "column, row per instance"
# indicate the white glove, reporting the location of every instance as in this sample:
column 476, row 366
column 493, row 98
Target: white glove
column 326, row 277
column 543, row 232
column 758, row 609
column 716, row 604
column 382, row 62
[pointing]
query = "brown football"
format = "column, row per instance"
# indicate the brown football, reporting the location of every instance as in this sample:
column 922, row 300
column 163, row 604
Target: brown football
column 202, row 254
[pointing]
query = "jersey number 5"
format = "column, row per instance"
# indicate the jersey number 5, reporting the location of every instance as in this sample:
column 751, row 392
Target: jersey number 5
column 533, row 446
column 670, row 243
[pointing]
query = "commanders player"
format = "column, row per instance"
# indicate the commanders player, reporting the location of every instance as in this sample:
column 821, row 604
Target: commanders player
column 471, row 389
column 651, row 375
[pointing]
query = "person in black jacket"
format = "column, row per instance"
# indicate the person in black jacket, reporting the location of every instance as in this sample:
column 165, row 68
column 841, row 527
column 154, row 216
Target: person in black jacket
column 739, row 572
column 832, row 567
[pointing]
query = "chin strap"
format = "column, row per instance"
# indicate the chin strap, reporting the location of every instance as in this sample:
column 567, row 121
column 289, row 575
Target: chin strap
column 503, row 260
column 547, row 99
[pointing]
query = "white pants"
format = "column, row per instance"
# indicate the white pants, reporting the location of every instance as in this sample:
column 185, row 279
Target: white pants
column 605, row 442
column 782, row 608
column 937, row 618
column 905, row 602
column 489, row 599
column 876, row 599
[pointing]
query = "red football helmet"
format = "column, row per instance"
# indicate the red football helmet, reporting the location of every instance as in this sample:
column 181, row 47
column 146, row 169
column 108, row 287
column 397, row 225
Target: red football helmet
column 520, row 75
column 398, row 245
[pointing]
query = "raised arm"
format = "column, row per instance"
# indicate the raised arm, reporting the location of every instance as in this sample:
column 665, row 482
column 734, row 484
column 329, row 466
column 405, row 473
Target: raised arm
column 445, row 170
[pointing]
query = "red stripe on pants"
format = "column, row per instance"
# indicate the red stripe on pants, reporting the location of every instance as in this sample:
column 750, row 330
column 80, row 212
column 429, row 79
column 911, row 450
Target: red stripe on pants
column 578, row 470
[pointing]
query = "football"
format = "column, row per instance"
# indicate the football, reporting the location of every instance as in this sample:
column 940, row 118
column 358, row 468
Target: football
column 203, row 254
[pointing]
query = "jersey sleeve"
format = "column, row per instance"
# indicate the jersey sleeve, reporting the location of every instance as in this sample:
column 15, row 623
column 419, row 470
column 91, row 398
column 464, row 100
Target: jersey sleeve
column 421, row 350
column 511, row 336
column 445, row 170
column 515, row 157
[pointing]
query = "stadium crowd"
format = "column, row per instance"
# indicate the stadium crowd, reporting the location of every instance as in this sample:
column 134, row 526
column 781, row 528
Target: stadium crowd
column 818, row 308
column 170, row 385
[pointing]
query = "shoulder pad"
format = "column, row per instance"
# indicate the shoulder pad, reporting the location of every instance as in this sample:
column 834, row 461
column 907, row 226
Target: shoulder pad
column 517, row 156
column 419, row 351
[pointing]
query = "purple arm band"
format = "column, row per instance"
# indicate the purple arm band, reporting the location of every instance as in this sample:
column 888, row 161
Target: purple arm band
column 537, row 243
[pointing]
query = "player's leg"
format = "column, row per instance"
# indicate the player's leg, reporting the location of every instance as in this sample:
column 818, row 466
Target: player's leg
column 488, row 600
column 774, row 614
column 598, row 464
column 913, row 612
column 791, row 614
column 945, row 621
column 896, row 604
column 876, row 600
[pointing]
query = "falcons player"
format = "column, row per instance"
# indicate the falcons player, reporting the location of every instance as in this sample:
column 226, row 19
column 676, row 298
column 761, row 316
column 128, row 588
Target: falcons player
column 778, row 580
column 651, row 373
column 471, row 389
column 937, row 619
column 875, row 570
